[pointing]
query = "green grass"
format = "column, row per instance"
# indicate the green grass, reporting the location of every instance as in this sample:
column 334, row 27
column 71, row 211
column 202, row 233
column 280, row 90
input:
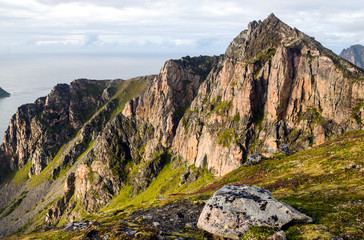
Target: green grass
column 325, row 182
column 15, row 204
column 128, row 90
column 22, row 174
column 226, row 136
column 45, row 175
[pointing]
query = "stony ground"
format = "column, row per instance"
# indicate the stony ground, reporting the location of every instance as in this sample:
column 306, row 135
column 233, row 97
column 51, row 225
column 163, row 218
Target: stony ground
column 172, row 218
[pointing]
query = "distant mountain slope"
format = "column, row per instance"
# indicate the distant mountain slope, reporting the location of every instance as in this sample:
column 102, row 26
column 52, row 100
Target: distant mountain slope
column 4, row 93
column 354, row 54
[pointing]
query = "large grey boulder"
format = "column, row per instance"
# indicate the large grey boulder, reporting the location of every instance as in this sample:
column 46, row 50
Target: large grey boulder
column 233, row 209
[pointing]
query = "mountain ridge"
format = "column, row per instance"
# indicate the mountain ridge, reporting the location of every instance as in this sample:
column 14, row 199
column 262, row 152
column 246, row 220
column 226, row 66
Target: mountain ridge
column 201, row 118
column 354, row 54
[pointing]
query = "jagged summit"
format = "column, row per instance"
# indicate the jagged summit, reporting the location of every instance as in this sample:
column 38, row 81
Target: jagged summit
column 259, row 36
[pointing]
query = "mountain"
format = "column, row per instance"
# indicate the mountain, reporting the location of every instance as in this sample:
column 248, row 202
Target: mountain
column 105, row 149
column 354, row 54
column 4, row 93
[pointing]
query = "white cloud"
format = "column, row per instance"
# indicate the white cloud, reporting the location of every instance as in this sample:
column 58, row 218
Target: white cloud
column 189, row 25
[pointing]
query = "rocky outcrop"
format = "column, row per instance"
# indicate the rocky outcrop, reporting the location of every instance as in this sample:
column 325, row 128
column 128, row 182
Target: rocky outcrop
column 354, row 54
column 4, row 93
column 233, row 209
column 55, row 213
column 37, row 131
column 163, row 104
column 275, row 87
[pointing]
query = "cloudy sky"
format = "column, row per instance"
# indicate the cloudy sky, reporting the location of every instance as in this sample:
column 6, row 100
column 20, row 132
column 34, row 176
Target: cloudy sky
column 190, row 27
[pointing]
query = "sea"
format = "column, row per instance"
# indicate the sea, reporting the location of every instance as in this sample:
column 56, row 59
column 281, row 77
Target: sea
column 28, row 77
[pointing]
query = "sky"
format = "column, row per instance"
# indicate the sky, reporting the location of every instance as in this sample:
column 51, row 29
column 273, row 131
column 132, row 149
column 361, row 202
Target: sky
column 188, row 27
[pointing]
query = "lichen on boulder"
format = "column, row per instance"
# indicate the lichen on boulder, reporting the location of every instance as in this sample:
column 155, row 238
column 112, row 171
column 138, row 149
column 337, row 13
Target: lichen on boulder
column 233, row 209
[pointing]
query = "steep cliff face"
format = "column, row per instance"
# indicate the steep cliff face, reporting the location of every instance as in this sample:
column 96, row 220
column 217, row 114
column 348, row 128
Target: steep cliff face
column 132, row 148
column 276, row 87
column 37, row 131
column 354, row 54
column 65, row 126
column 164, row 102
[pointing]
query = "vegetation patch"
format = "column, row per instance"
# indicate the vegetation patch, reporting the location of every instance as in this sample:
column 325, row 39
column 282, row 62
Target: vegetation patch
column 181, row 110
column 258, row 233
column 226, row 136
column 128, row 90
column 356, row 109
column 22, row 174
column 15, row 204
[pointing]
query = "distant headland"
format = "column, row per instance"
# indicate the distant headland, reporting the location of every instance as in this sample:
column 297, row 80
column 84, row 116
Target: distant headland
column 4, row 93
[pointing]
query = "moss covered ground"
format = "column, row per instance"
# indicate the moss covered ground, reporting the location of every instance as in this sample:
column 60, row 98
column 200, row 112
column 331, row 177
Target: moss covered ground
column 324, row 182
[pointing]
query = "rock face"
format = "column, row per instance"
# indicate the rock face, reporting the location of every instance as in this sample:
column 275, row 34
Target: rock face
column 4, row 93
column 37, row 131
column 354, row 54
column 274, row 88
column 233, row 209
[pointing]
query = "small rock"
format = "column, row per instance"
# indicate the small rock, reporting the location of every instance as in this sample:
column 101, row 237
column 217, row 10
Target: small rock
column 156, row 224
column 147, row 217
column 285, row 149
column 278, row 236
column 160, row 237
column 131, row 233
column 106, row 237
column 191, row 225
column 73, row 226
column 254, row 159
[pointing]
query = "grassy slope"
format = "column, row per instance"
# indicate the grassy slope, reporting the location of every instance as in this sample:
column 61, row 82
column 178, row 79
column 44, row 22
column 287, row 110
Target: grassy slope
column 325, row 182
column 125, row 90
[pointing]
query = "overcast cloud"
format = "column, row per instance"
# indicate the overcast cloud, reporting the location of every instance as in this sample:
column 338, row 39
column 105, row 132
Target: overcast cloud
column 165, row 26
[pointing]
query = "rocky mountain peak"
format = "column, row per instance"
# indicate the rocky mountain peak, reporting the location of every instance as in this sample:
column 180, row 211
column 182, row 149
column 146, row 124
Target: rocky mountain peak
column 260, row 35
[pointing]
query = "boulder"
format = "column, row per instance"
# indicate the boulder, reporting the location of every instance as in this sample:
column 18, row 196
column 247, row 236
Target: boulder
column 233, row 209
column 254, row 159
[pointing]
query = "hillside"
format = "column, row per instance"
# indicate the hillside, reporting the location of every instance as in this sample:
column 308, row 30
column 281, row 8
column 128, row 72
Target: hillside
column 107, row 150
column 325, row 182
column 354, row 54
